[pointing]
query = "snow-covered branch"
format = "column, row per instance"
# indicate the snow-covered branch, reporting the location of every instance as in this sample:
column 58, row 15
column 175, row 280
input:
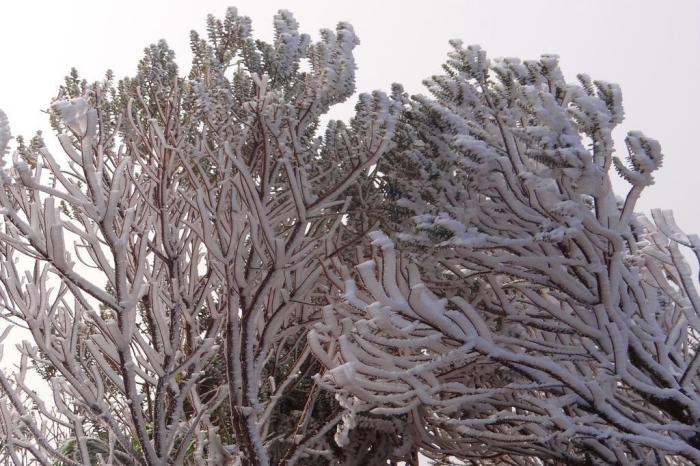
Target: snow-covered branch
column 529, row 313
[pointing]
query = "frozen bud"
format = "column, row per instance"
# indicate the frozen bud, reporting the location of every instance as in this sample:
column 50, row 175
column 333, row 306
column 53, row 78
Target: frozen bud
column 73, row 113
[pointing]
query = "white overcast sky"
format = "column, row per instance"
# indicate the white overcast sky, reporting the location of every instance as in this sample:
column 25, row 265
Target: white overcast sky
column 649, row 47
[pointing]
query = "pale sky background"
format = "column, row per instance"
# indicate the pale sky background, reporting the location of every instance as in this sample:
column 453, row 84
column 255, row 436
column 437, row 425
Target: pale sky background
column 651, row 48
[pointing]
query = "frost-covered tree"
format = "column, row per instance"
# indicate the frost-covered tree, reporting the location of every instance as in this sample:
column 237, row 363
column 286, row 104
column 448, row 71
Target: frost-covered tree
column 212, row 274
column 528, row 314
column 168, row 263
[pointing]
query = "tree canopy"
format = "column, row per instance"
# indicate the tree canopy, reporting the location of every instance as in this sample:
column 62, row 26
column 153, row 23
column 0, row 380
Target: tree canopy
column 210, row 272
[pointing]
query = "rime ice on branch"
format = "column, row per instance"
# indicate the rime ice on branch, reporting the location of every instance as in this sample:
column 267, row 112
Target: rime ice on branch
column 172, row 254
column 522, row 312
column 209, row 279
